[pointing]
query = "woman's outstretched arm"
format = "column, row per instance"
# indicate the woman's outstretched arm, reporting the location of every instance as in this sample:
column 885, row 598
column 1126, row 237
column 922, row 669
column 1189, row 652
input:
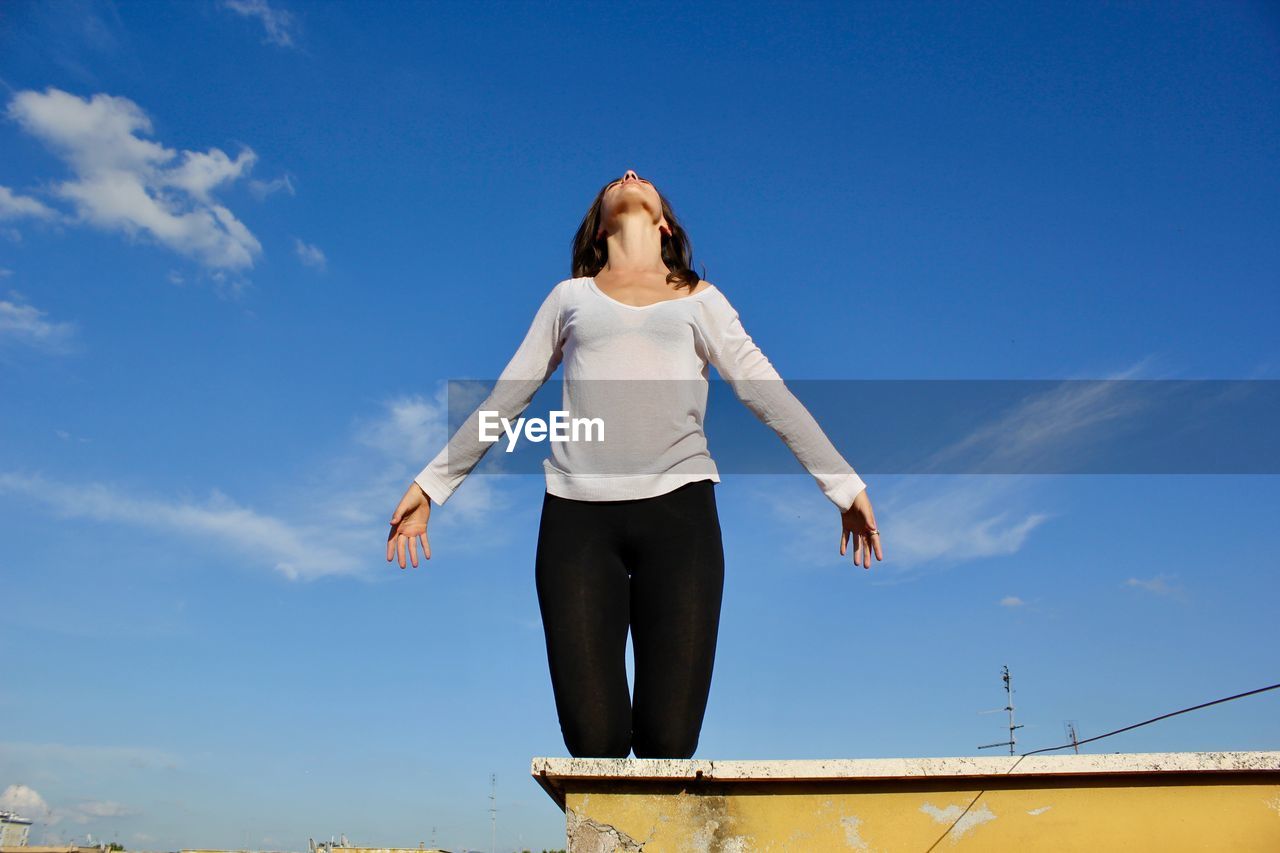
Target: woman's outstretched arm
column 758, row 385
column 533, row 363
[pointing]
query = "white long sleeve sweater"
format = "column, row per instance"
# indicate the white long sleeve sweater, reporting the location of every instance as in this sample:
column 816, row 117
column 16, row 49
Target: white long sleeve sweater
column 653, row 429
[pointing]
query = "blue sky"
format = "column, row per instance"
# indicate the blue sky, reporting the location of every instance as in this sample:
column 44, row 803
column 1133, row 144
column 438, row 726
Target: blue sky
column 244, row 246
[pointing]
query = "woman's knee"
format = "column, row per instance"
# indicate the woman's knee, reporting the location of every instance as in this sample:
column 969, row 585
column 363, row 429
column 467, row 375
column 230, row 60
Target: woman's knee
column 668, row 744
column 598, row 743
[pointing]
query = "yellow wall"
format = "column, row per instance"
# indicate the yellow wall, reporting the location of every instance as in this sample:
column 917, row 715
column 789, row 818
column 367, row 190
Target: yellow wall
column 1232, row 812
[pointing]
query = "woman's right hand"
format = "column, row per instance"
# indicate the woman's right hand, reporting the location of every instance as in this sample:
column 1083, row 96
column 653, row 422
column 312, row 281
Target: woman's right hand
column 859, row 521
column 408, row 524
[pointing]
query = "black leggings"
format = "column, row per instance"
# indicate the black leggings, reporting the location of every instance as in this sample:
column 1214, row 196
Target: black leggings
column 656, row 565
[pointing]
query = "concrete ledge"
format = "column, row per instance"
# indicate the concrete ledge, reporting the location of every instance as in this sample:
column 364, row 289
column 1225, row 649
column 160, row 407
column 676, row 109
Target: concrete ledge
column 554, row 773
column 1094, row 802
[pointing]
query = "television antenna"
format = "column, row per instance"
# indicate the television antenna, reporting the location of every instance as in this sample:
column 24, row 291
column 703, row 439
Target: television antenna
column 493, row 809
column 1008, row 689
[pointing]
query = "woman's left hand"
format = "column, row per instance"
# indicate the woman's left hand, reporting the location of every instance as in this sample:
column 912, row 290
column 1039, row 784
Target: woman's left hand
column 860, row 521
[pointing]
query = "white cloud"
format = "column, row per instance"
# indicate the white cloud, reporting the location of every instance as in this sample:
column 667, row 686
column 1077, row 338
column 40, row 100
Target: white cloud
column 199, row 173
column 25, row 801
column 416, row 428
column 335, row 524
column 410, row 425
column 960, row 519
column 310, row 256
column 124, row 182
column 23, row 207
column 947, row 520
column 26, row 325
column 302, row 549
column 1012, row 601
column 1158, row 585
column 966, row 517
column 262, row 189
column 279, row 24
column 1036, row 430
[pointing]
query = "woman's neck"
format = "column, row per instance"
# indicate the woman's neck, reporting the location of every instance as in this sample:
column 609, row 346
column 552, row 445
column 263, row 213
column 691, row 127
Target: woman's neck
column 635, row 245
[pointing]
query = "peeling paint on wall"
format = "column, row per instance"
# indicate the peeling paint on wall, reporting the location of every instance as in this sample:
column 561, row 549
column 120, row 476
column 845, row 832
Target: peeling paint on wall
column 851, row 835
column 974, row 817
column 704, row 836
column 585, row 835
column 707, row 839
column 1040, row 810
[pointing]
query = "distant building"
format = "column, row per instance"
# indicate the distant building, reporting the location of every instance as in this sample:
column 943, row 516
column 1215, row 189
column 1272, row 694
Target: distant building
column 345, row 846
column 13, row 830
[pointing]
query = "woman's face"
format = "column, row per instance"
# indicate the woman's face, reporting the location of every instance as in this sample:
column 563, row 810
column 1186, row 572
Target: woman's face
column 632, row 193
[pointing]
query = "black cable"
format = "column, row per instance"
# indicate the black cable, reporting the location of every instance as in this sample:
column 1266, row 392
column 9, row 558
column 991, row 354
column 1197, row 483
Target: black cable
column 1152, row 720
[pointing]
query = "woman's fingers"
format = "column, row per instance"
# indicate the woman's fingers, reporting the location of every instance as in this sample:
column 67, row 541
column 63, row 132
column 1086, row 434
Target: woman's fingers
column 400, row 538
column 413, row 511
column 859, row 521
column 864, row 542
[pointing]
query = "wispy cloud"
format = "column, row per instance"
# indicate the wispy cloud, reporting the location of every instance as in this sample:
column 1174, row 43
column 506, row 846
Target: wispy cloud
column 26, row 325
column 1012, row 601
column 962, row 519
column 13, row 206
column 296, row 549
column 1158, row 585
column 124, row 182
column 30, row 803
column 262, row 189
column 335, row 522
column 938, row 520
column 280, row 25
column 416, row 427
column 310, row 255
column 944, row 521
column 1034, row 431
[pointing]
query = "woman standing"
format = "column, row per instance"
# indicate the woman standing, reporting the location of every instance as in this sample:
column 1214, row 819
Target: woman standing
column 629, row 536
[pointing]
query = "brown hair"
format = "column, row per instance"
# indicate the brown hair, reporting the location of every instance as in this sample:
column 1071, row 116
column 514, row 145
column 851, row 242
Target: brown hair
column 590, row 254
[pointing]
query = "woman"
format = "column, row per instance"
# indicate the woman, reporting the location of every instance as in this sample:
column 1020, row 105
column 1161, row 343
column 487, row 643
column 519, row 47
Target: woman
column 629, row 535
